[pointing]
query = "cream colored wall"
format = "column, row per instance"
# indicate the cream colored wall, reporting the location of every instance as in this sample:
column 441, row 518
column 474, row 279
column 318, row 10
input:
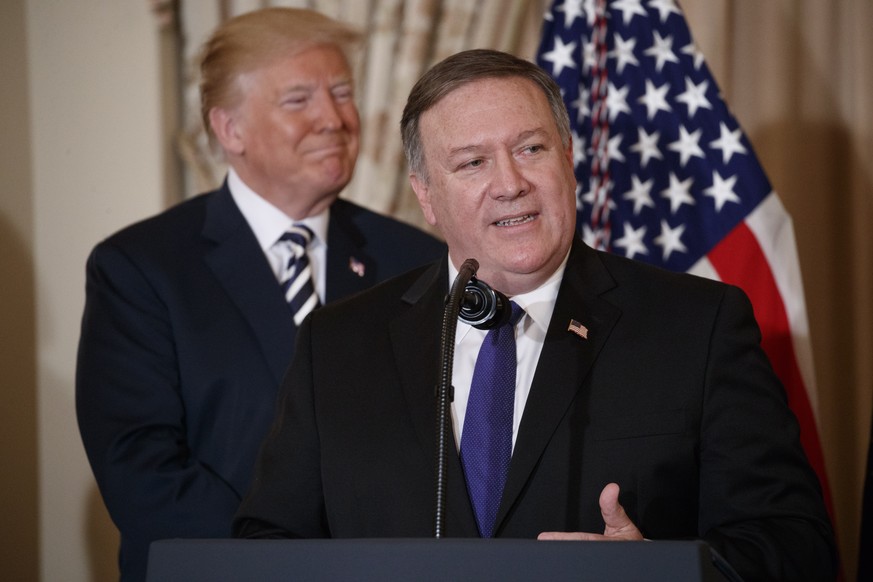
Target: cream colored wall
column 93, row 68
column 18, row 463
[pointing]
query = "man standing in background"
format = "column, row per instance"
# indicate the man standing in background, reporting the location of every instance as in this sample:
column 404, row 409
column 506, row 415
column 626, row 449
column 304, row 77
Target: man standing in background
column 190, row 316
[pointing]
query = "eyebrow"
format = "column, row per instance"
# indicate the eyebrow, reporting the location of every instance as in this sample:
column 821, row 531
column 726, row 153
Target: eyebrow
column 527, row 134
column 306, row 86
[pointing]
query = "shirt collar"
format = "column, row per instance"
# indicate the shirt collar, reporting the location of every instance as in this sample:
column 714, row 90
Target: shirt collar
column 268, row 222
column 538, row 304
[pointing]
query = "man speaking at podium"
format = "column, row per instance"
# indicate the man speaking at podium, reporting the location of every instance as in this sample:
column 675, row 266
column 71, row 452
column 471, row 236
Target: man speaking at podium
column 619, row 402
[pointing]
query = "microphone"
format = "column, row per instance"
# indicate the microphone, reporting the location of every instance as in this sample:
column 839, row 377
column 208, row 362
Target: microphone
column 483, row 307
column 444, row 391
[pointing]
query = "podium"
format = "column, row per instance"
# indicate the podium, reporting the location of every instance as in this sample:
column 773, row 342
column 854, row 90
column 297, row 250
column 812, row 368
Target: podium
column 425, row 560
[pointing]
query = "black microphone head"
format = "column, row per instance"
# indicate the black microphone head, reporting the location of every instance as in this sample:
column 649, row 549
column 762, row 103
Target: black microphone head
column 483, row 307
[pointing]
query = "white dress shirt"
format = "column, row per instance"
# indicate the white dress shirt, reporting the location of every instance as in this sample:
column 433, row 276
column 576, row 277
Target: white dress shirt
column 530, row 333
column 269, row 224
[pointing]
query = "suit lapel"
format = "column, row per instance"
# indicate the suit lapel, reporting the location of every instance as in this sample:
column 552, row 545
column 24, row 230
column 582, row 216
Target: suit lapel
column 237, row 261
column 415, row 337
column 349, row 269
column 239, row 265
column 565, row 361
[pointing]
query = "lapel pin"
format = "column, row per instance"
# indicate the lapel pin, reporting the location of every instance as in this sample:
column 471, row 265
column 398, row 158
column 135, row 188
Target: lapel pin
column 356, row 266
column 578, row 329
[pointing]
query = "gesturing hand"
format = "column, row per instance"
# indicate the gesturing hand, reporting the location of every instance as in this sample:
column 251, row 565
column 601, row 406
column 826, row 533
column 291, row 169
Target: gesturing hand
column 619, row 527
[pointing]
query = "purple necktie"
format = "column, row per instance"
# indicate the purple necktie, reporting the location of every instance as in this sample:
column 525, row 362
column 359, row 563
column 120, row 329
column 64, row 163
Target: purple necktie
column 486, row 441
column 296, row 279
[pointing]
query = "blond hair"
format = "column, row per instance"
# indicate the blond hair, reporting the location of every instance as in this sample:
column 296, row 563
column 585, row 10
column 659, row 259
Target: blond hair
column 251, row 40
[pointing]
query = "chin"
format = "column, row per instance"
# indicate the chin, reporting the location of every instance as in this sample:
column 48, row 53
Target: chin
column 526, row 263
column 336, row 170
column 503, row 270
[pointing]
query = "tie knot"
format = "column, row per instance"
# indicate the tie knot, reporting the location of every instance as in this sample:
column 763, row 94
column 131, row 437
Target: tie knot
column 298, row 234
column 517, row 313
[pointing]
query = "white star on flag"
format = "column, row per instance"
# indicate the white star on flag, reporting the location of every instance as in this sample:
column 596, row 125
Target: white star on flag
column 729, row 143
column 655, row 99
column 694, row 96
column 628, row 9
column 662, row 51
column 640, row 194
column 632, row 241
column 678, row 192
column 624, row 53
column 616, row 101
column 561, row 56
column 572, row 10
column 722, row 190
column 647, row 146
column 670, row 239
column 665, row 8
column 687, row 145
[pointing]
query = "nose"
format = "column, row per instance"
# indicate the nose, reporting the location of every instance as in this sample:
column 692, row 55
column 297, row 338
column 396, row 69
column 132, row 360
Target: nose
column 328, row 116
column 509, row 180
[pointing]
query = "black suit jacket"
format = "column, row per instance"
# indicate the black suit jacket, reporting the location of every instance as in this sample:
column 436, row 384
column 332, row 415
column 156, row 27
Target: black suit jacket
column 185, row 338
column 670, row 396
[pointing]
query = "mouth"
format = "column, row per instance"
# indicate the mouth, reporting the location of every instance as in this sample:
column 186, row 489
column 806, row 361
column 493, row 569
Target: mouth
column 333, row 147
column 516, row 220
column 327, row 143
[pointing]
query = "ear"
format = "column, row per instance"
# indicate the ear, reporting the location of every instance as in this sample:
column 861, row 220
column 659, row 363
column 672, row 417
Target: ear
column 226, row 129
column 422, row 192
column 568, row 152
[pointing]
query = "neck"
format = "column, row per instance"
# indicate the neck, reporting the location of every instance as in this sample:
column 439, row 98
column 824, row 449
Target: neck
column 295, row 204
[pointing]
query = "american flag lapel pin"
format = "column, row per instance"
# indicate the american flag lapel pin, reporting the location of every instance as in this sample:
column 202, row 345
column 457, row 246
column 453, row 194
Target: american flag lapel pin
column 578, row 329
column 356, row 266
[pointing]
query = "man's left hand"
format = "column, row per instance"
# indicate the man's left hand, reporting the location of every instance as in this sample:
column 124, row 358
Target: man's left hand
column 619, row 527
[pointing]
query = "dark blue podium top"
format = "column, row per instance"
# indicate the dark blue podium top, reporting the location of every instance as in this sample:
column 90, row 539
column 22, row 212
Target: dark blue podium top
column 432, row 560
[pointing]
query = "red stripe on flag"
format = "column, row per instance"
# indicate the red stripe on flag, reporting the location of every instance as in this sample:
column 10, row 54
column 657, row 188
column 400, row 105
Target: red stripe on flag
column 739, row 260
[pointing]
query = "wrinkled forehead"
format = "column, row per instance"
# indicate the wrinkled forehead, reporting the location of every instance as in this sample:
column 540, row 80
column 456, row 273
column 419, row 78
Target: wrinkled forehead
column 485, row 107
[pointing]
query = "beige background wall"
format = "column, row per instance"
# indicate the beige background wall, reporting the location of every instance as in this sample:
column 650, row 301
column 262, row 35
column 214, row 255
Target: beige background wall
column 83, row 116
column 18, row 462
column 80, row 154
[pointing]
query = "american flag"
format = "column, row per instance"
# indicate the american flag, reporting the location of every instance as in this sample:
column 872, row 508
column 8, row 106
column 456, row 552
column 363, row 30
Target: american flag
column 667, row 176
column 578, row 329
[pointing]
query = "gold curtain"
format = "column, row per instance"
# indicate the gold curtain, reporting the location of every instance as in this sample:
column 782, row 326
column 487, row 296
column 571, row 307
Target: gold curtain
column 796, row 73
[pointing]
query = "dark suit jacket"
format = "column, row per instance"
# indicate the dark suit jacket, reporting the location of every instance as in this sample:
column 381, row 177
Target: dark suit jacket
column 670, row 397
column 185, row 338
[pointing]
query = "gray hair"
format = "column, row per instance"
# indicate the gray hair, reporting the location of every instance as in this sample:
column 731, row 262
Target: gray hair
column 463, row 68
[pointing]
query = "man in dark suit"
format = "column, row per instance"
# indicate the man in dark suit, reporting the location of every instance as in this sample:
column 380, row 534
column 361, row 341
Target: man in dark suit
column 643, row 404
column 186, row 331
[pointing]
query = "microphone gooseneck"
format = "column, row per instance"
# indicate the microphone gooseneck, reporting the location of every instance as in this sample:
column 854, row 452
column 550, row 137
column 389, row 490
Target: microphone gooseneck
column 444, row 388
column 477, row 304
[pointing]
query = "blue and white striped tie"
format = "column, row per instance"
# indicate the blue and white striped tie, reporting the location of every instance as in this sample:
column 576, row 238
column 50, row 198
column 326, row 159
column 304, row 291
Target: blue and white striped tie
column 296, row 280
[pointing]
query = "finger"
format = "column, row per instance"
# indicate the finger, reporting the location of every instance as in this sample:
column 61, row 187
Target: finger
column 614, row 516
column 570, row 536
column 613, row 513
